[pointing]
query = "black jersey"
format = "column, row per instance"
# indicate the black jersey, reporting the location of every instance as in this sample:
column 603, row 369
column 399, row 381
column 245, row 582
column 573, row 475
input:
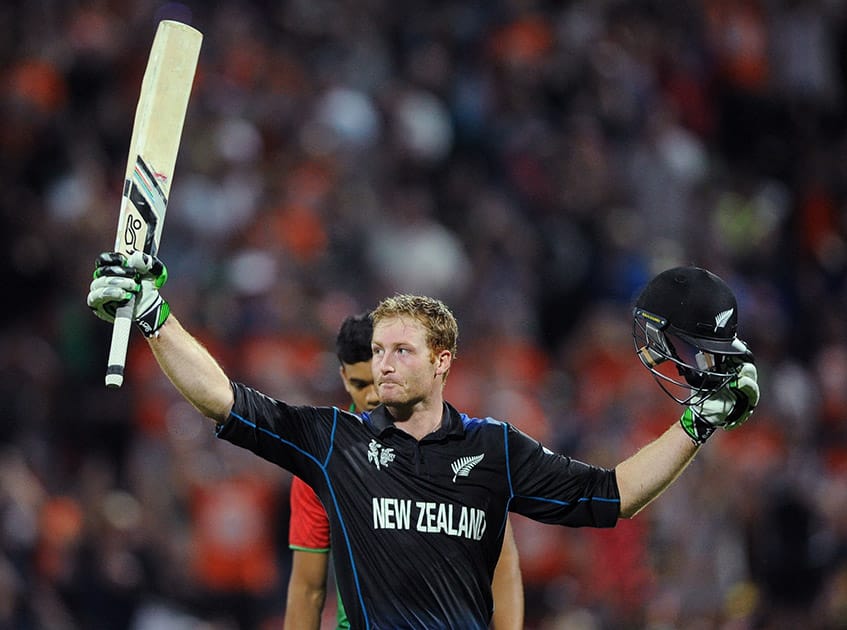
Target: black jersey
column 417, row 526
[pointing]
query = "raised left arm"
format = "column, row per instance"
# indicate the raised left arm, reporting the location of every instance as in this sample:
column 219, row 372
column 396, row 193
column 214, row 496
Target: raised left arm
column 645, row 475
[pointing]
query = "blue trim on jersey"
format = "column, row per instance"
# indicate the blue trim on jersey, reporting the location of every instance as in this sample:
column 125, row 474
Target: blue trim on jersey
column 556, row 501
column 508, row 475
column 580, row 500
column 322, row 467
column 332, row 435
column 468, row 421
column 276, row 436
column 508, row 466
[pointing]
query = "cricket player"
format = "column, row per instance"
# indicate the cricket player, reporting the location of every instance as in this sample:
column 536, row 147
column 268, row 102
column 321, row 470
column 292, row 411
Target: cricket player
column 309, row 527
column 417, row 492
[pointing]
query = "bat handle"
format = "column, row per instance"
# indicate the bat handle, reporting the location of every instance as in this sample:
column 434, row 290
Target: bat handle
column 120, row 341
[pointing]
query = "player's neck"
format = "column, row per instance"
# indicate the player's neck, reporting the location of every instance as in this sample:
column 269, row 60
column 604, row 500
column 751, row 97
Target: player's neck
column 420, row 419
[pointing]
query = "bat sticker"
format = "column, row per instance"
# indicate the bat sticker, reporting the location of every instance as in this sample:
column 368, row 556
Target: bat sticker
column 144, row 193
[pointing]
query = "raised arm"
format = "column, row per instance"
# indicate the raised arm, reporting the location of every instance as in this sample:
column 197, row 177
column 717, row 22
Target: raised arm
column 189, row 366
column 643, row 476
column 192, row 370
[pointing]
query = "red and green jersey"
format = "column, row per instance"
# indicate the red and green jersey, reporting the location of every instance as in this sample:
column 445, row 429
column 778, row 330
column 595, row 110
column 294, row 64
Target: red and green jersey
column 309, row 530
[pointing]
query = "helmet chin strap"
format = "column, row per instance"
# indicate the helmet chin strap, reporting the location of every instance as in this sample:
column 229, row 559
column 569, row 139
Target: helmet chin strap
column 649, row 357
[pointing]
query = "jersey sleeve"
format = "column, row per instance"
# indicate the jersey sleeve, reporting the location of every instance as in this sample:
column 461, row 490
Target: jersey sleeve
column 297, row 438
column 309, row 526
column 556, row 489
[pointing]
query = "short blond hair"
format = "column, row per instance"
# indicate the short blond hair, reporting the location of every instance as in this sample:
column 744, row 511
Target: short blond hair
column 442, row 331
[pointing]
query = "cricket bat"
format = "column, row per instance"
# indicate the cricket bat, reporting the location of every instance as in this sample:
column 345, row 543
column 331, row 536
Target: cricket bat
column 156, row 132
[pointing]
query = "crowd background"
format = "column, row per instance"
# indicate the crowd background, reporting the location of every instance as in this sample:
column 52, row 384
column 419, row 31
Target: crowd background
column 533, row 164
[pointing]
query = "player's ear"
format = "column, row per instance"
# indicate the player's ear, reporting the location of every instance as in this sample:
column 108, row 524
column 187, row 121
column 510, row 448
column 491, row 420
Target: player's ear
column 343, row 374
column 443, row 361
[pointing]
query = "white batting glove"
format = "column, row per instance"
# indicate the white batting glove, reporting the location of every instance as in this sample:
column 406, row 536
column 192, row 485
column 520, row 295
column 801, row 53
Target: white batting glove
column 118, row 277
column 728, row 408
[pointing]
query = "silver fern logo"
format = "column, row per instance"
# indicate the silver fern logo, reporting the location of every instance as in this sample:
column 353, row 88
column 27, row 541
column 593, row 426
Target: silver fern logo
column 462, row 466
column 722, row 318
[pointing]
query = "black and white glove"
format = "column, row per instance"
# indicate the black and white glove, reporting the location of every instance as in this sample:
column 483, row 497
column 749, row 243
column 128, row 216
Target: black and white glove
column 118, row 278
column 728, row 408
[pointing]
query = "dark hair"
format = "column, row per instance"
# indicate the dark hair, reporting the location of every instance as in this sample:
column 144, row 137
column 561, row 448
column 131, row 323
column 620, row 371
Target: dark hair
column 353, row 343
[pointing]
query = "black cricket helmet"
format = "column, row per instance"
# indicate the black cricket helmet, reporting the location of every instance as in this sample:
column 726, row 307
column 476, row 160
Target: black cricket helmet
column 684, row 327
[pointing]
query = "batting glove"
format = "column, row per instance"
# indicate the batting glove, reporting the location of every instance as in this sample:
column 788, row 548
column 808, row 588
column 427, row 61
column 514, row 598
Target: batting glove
column 117, row 278
column 728, row 408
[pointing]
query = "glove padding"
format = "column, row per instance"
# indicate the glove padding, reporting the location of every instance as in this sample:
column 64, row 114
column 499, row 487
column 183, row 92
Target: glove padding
column 728, row 408
column 117, row 278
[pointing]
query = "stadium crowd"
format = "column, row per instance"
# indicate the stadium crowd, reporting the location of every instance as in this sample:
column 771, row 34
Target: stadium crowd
column 530, row 162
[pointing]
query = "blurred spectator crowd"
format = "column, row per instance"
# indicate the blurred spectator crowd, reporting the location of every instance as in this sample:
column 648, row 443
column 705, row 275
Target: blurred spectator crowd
column 533, row 164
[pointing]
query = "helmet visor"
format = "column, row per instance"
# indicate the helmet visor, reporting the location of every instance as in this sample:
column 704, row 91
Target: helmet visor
column 732, row 346
column 684, row 370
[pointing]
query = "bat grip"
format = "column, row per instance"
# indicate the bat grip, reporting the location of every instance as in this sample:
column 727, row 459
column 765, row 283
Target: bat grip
column 120, row 341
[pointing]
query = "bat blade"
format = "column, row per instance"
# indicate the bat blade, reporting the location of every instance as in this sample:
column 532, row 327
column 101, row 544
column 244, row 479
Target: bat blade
column 156, row 134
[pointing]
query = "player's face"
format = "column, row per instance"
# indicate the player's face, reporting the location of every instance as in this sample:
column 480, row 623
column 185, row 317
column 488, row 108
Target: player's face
column 404, row 368
column 358, row 380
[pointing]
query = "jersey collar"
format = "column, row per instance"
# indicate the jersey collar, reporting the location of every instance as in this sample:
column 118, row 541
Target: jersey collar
column 451, row 422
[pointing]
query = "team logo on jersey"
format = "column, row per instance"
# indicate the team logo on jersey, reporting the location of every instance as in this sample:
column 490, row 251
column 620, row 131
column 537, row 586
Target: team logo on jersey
column 462, row 466
column 379, row 455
